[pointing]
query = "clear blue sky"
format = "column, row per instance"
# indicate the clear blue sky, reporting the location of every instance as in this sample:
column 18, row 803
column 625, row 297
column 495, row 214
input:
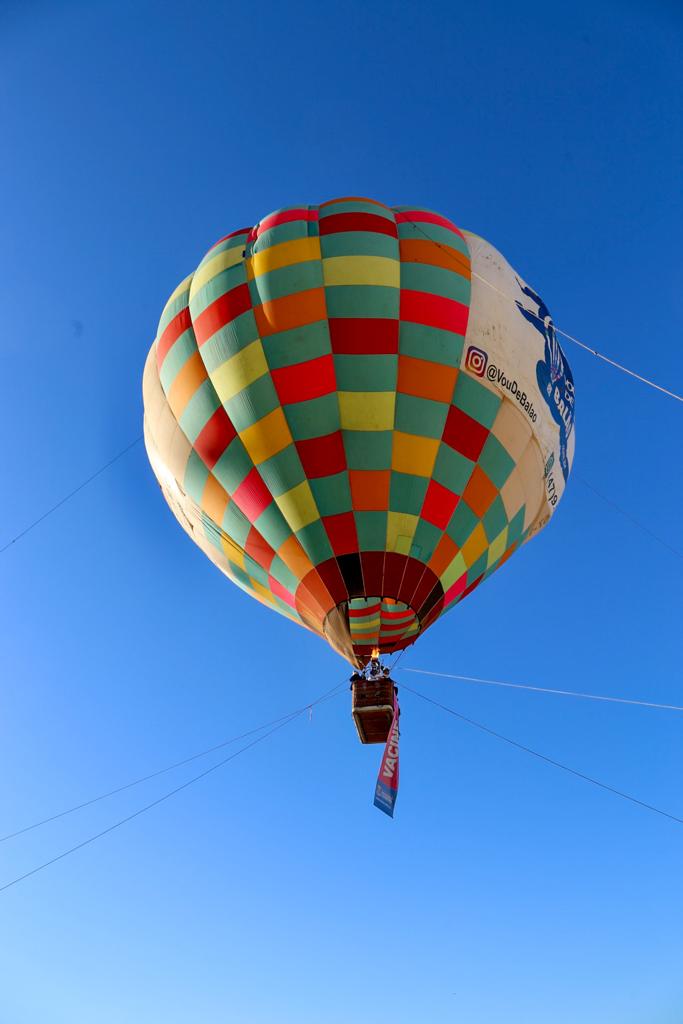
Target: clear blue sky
column 133, row 136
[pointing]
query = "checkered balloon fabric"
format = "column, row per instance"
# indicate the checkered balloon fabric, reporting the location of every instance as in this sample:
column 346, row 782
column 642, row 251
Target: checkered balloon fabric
column 353, row 426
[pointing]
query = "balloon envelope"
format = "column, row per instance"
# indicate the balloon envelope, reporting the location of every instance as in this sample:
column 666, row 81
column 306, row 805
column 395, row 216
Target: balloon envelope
column 358, row 413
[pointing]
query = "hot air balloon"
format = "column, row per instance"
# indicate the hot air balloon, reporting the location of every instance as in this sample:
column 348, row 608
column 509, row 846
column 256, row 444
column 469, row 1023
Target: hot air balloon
column 358, row 412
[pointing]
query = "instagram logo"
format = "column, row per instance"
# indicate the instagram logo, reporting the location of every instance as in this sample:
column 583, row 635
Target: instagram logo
column 476, row 360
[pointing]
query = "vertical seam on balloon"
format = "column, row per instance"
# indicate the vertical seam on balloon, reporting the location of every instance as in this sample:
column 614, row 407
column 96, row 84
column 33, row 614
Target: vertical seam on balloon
column 305, row 476
column 393, row 425
column 253, row 236
column 219, row 527
column 422, row 574
column 341, row 432
column 191, row 511
column 455, row 385
column 339, row 416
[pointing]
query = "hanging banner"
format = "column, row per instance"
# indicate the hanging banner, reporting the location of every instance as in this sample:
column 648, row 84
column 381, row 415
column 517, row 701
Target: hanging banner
column 386, row 789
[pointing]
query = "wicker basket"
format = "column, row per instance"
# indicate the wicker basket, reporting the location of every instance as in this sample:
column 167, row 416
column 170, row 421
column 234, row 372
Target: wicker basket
column 373, row 709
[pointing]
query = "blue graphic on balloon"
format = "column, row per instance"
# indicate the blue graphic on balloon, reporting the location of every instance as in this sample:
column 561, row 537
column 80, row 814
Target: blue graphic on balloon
column 555, row 381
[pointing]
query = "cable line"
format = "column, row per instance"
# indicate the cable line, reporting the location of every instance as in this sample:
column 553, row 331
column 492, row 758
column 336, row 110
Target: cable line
column 142, row 810
column 558, row 330
column 284, row 719
column 71, row 494
column 546, row 689
column 169, row 794
column 586, row 348
column 631, row 519
column 544, row 757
